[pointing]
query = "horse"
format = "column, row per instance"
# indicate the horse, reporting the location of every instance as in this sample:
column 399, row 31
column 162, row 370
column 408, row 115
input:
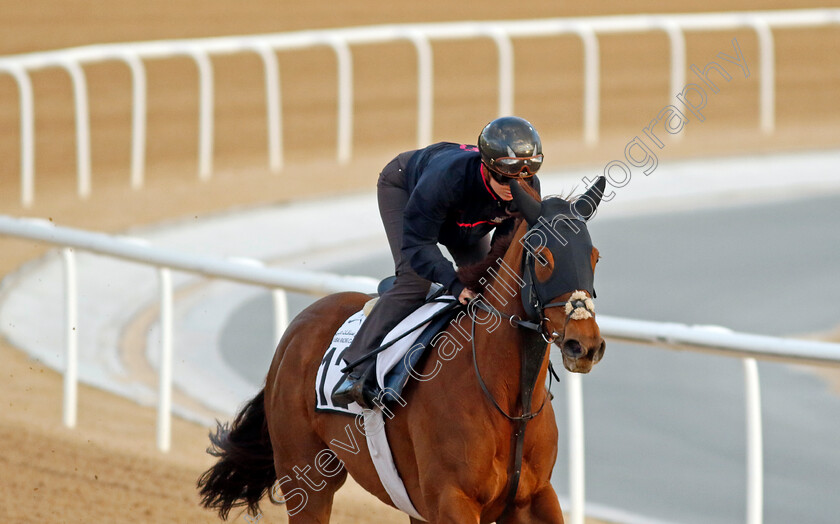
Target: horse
column 458, row 436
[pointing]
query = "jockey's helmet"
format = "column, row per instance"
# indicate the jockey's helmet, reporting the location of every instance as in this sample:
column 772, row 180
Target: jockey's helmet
column 509, row 146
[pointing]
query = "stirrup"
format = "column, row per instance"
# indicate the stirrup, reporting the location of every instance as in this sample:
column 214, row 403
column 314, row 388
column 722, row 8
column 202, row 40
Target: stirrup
column 357, row 389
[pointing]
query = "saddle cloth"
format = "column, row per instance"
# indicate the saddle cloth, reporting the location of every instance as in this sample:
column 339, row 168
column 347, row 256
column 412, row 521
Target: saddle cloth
column 391, row 372
column 391, row 364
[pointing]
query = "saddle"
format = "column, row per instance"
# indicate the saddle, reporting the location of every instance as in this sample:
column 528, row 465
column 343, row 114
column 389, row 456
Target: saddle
column 401, row 351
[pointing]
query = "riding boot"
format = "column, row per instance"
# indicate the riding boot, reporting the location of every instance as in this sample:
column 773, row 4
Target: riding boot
column 359, row 385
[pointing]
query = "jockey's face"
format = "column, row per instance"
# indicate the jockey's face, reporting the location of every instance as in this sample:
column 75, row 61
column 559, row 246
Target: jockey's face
column 500, row 183
column 502, row 190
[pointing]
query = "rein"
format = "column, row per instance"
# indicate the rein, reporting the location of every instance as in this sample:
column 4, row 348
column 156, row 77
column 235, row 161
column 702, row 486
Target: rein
column 525, row 417
column 530, row 364
column 526, row 388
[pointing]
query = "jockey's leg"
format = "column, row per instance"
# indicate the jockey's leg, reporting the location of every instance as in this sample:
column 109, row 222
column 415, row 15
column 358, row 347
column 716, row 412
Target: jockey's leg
column 408, row 293
column 392, row 196
column 409, row 289
column 393, row 306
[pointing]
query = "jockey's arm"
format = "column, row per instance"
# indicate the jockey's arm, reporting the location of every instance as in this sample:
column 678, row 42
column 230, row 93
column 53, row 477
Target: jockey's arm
column 425, row 214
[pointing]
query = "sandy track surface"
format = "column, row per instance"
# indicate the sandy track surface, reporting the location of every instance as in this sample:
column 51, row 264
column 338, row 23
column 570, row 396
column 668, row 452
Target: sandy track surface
column 108, row 469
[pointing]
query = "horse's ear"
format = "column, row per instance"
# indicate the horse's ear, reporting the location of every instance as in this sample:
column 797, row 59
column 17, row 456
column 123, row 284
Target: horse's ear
column 592, row 198
column 525, row 203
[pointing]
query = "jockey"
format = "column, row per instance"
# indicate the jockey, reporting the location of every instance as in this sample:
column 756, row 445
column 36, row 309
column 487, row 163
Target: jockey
column 446, row 193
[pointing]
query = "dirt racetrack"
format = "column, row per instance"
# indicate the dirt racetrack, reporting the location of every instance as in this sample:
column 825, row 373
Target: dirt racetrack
column 107, row 469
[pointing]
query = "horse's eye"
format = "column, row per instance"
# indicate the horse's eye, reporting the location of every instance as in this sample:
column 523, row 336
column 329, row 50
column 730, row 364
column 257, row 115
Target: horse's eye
column 543, row 270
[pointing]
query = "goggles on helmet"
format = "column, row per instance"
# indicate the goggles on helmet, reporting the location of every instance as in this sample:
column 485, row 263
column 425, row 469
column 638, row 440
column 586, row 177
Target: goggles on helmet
column 506, row 180
column 512, row 166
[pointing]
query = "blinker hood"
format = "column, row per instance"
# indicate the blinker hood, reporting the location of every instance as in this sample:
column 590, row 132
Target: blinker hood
column 567, row 238
column 559, row 227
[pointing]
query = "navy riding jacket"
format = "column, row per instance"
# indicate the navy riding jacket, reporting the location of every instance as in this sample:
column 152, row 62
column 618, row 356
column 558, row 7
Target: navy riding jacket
column 449, row 203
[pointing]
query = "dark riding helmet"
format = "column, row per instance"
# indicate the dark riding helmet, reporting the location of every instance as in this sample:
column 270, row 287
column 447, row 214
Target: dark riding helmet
column 510, row 145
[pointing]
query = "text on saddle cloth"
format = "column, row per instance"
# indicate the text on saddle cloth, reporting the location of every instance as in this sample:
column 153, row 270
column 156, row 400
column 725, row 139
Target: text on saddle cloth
column 392, row 371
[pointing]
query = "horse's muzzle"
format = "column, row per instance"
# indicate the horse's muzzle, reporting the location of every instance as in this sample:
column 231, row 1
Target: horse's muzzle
column 578, row 357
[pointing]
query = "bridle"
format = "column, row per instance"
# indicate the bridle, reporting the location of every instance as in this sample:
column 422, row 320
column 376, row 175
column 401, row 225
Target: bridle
column 539, row 324
column 516, row 322
column 535, row 306
column 534, row 303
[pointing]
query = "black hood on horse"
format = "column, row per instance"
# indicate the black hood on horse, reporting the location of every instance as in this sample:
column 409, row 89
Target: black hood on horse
column 557, row 229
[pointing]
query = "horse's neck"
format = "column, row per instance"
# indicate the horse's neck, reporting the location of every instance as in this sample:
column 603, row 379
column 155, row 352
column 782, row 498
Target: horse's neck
column 499, row 349
column 503, row 289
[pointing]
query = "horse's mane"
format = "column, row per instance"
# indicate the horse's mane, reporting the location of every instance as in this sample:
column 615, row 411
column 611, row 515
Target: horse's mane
column 472, row 274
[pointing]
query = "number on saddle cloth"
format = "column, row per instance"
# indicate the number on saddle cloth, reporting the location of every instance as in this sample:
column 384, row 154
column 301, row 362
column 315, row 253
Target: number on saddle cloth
column 403, row 359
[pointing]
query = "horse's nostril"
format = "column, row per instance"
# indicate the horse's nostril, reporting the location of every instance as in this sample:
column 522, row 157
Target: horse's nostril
column 599, row 354
column 573, row 348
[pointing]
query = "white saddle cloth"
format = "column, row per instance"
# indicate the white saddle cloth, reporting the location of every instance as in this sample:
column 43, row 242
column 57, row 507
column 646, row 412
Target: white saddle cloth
column 329, row 374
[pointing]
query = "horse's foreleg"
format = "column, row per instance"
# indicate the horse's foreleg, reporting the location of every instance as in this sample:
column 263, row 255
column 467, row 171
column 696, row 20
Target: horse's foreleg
column 454, row 507
column 544, row 508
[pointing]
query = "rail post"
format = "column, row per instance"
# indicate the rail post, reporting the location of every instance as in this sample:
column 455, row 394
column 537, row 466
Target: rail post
column 767, row 70
column 164, row 415
column 345, row 98
column 591, row 83
column 281, row 312
column 273, row 108
column 138, row 120
column 504, row 48
column 80, row 97
column 205, row 112
column 425, row 88
column 27, row 135
column 755, row 448
column 71, row 339
column 577, row 491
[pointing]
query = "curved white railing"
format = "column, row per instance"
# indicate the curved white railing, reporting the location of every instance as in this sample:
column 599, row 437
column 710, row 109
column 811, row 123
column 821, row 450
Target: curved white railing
column 340, row 41
column 674, row 336
column 138, row 251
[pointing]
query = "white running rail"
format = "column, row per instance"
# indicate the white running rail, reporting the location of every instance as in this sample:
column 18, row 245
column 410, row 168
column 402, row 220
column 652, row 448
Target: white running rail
column 134, row 250
column 668, row 335
column 340, row 41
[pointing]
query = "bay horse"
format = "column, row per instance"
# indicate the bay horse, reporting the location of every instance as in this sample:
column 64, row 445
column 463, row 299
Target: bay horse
column 459, row 439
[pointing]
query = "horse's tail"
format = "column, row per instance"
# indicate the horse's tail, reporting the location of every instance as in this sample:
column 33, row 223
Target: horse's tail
column 245, row 470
